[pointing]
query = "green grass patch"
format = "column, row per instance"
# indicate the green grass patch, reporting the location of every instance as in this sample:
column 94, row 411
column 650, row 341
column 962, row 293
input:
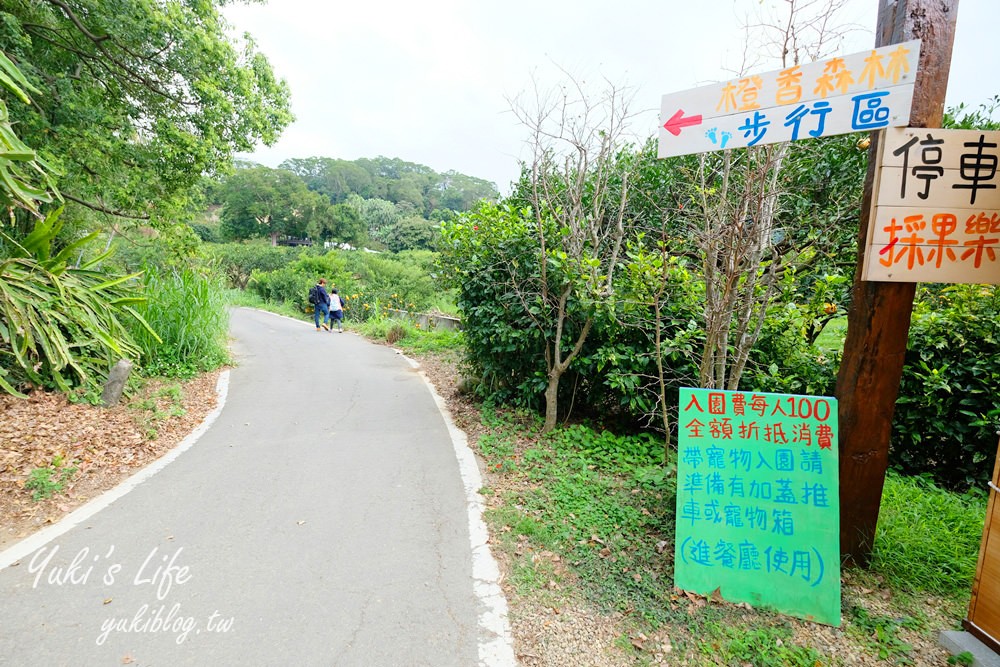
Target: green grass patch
column 49, row 480
column 760, row 646
column 927, row 538
column 409, row 336
column 604, row 502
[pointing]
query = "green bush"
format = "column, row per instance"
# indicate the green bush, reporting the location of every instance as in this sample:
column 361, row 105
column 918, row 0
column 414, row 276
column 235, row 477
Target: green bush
column 187, row 309
column 61, row 327
column 948, row 410
column 238, row 261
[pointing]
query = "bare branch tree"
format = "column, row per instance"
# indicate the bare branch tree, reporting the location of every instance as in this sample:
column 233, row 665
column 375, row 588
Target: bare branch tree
column 579, row 187
column 738, row 196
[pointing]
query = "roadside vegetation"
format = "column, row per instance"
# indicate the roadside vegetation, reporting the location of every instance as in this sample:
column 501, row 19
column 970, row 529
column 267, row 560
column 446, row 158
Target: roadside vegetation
column 605, row 281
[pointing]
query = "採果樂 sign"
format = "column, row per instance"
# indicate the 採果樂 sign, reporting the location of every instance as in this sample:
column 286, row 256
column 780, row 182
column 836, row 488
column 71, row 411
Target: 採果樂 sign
column 861, row 92
column 758, row 513
column 936, row 215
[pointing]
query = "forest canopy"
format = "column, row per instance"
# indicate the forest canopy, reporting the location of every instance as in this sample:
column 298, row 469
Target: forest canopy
column 382, row 202
column 133, row 102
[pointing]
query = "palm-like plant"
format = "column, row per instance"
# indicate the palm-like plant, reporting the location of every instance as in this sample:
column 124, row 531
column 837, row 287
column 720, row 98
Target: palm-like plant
column 59, row 325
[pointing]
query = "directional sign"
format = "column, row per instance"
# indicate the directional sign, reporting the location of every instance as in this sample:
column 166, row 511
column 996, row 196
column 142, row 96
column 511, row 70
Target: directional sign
column 937, row 208
column 864, row 91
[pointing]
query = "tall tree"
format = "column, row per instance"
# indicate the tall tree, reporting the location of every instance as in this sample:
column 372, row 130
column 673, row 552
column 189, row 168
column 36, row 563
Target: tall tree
column 577, row 181
column 137, row 100
column 270, row 203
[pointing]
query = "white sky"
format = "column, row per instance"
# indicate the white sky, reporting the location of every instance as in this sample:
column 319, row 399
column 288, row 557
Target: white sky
column 428, row 81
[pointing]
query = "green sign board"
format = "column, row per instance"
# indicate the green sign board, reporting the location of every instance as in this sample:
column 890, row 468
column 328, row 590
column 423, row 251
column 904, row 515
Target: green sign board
column 758, row 513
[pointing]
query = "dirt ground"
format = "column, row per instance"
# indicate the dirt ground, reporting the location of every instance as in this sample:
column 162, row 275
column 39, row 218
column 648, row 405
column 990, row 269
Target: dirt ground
column 555, row 628
column 105, row 445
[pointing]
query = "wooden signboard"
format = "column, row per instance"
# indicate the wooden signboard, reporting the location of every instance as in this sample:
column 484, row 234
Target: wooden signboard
column 936, row 214
column 863, row 91
column 984, row 608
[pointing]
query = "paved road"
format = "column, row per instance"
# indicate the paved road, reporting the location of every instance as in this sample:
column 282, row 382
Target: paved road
column 321, row 520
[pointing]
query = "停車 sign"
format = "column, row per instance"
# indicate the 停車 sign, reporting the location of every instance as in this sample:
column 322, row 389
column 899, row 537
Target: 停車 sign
column 936, row 215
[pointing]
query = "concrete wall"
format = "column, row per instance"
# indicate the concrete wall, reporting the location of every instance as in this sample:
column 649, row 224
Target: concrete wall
column 428, row 321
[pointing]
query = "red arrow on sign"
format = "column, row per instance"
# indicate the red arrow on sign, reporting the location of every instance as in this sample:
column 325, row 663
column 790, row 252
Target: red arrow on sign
column 677, row 122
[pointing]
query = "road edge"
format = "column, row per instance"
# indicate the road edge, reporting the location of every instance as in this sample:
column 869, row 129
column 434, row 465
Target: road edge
column 14, row 553
column 496, row 644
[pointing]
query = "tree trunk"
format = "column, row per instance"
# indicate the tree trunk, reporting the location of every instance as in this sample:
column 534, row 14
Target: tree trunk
column 552, row 400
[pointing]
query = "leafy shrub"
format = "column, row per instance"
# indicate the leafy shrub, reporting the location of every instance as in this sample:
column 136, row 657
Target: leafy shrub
column 288, row 284
column 61, row 327
column 238, row 261
column 948, row 410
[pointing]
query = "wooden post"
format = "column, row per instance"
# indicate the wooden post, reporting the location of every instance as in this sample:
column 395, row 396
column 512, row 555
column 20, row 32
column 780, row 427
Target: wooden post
column 878, row 321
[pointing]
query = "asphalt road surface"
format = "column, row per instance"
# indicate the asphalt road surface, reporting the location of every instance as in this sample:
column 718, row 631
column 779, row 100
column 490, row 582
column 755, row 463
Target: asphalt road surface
column 320, row 520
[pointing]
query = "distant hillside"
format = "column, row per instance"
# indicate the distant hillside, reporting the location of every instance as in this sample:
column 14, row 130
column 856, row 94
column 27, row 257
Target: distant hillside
column 383, row 202
column 405, row 184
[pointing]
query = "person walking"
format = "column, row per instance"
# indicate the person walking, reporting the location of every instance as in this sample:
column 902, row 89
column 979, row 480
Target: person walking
column 321, row 302
column 336, row 311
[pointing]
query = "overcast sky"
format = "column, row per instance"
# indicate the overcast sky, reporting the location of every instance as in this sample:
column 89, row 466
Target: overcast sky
column 429, row 81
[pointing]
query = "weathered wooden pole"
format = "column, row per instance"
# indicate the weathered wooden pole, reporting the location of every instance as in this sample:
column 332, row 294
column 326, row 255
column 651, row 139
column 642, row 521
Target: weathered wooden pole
column 879, row 317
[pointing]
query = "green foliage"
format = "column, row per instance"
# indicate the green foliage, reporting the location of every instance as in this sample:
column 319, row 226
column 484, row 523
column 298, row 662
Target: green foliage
column 730, row 644
column 948, row 413
column 187, row 310
column 927, row 538
column 61, row 327
column 291, row 283
column 238, row 261
column 483, row 255
column 270, row 203
column 784, row 359
column 386, row 281
column 25, row 178
column 50, row 480
column 138, row 100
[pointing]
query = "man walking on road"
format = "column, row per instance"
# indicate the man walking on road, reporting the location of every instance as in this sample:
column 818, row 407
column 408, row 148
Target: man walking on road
column 321, row 302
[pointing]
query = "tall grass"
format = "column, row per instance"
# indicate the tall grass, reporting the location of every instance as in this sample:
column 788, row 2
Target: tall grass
column 188, row 311
column 927, row 538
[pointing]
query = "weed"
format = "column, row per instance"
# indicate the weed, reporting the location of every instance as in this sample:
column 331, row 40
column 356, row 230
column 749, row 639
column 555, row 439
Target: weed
column 52, row 479
column 496, row 449
column 758, row 646
column 963, row 658
column 395, row 333
column 880, row 633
